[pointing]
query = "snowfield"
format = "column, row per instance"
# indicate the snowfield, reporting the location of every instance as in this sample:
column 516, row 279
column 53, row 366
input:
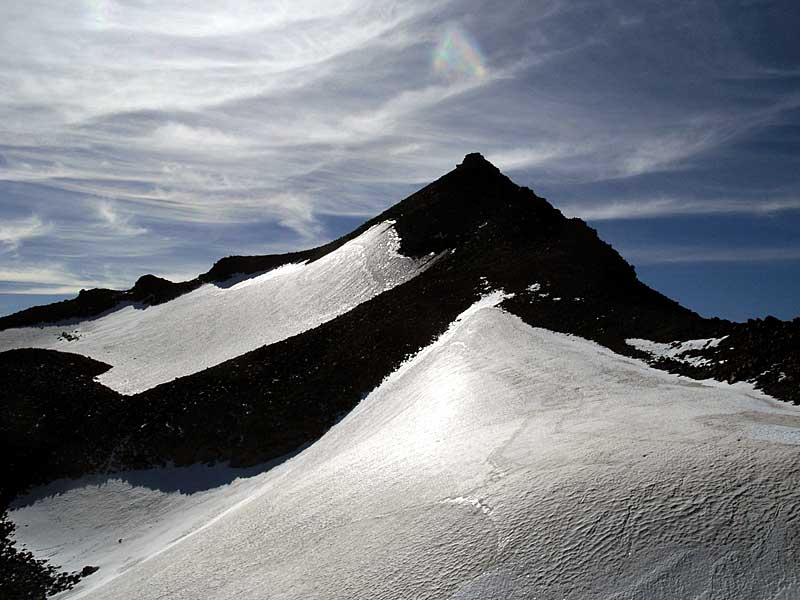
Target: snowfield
column 120, row 520
column 501, row 462
column 212, row 324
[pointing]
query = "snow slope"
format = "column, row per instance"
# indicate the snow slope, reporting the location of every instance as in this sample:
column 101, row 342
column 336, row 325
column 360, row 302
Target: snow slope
column 213, row 324
column 120, row 520
column 505, row 461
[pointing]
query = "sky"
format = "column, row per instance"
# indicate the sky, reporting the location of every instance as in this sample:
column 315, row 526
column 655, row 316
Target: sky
column 155, row 137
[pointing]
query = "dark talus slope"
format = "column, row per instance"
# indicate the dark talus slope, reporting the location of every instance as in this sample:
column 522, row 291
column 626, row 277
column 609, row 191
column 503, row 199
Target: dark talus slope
column 54, row 416
column 763, row 351
column 54, row 421
column 491, row 234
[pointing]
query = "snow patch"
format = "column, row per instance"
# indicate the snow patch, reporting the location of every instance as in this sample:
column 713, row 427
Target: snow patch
column 212, row 324
column 676, row 350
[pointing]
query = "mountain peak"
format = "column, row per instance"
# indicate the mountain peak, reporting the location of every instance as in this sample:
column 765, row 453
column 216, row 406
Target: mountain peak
column 250, row 373
column 476, row 160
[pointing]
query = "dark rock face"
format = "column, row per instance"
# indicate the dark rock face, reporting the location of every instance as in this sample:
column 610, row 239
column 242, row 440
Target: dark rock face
column 490, row 234
column 148, row 290
column 230, row 266
column 88, row 303
column 54, row 418
column 55, row 421
column 764, row 351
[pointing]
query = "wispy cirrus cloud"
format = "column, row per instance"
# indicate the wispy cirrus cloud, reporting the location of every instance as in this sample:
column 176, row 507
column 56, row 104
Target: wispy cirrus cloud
column 49, row 278
column 653, row 208
column 193, row 132
column 116, row 222
column 15, row 231
column 660, row 255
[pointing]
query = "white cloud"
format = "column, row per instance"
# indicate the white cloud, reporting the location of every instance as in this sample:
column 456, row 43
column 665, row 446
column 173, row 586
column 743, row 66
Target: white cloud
column 115, row 222
column 662, row 152
column 161, row 123
column 517, row 159
column 183, row 18
column 296, row 213
column 44, row 277
column 41, row 290
column 700, row 254
column 179, row 138
column 651, row 208
column 15, row 231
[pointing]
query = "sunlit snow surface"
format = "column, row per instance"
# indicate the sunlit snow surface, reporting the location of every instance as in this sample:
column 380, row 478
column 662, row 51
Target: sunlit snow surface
column 118, row 521
column 505, row 462
column 213, row 324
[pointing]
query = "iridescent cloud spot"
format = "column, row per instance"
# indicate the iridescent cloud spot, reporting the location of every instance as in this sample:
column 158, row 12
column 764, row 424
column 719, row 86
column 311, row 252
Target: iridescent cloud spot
column 458, row 56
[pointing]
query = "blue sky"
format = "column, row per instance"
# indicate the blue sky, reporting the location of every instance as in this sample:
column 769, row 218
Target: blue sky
column 158, row 136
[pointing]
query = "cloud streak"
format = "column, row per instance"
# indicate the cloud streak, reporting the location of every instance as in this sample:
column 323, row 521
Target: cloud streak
column 655, row 208
column 160, row 138
column 22, row 278
column 15, row 231
column 705, row 254
column 116, row 222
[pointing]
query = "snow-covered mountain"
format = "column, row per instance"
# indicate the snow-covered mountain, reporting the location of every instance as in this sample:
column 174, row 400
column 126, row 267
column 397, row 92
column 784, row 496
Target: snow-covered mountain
column 453, row 401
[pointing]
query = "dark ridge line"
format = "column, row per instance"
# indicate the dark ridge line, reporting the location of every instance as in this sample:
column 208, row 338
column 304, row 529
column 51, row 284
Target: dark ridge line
column 150, row 290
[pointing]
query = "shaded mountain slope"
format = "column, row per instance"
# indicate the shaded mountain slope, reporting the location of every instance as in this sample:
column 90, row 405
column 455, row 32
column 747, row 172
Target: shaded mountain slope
column 54, row 420
column 54, row 416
